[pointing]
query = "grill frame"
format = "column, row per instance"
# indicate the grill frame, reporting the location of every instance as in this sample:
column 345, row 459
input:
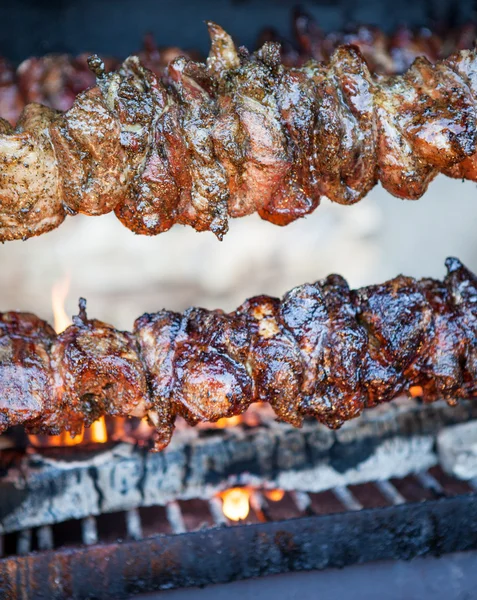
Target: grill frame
column 225, row 554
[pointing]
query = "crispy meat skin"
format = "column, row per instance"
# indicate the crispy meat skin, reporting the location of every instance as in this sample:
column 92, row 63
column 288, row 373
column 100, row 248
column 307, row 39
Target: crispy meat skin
column 238, row 135
column 323, row 351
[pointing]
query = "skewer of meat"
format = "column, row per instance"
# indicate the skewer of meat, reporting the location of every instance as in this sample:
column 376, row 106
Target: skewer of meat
column 239, row 135
column 322, row 351
column 55, row 80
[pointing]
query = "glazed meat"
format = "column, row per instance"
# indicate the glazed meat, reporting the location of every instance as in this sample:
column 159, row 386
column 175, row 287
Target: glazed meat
column 26, row 378
column 322, row 351
column 238, row 135
column 99, row 372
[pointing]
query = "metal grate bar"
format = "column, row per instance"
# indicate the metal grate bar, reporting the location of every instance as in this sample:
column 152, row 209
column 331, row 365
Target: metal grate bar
column 215, row 507
column 89, row 531
column 259, row 506
column 133, row 524
column 302, row 501
column 44, row 536
column 24, row 542
column 430, row 483
column 390, row 492
column 175, row 518
column 346, row 498
column 124, row 569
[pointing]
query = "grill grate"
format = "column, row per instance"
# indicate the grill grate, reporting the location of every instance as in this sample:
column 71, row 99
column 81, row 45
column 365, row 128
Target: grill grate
column 186, row 516
column 52, row 485
column 221, row 554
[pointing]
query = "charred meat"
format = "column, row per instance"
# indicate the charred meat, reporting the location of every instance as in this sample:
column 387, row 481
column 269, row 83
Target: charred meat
column 322, row 351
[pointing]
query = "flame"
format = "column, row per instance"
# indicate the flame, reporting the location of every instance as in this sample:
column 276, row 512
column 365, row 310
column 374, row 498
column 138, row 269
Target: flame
column 236, row 503
column 64, row 439
column 98, row 432
column 274, row 495
column 59, row 293
column 228, row 421
column 416, row 391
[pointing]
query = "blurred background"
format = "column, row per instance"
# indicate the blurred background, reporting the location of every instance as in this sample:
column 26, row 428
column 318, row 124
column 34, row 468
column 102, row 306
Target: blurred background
column 123, row 275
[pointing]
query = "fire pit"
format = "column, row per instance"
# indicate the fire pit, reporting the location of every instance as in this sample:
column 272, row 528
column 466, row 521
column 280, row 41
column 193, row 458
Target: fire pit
column 95, row 513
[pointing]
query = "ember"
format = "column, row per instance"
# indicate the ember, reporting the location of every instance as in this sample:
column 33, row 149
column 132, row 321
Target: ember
column 228, row 421
column 98, row 431
column 274, row 495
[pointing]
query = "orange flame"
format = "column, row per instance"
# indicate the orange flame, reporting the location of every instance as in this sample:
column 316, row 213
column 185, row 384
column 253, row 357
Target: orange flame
column 236, row 503
column 225, row 422
column 59, row 293
column 416, row 391
column 64, row 439
column 98, row 432
column 274, row 495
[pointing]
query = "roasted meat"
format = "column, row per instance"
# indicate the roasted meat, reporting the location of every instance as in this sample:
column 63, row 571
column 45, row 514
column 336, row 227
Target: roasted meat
column 322, row 351
column 54, row 80
column 238, row 135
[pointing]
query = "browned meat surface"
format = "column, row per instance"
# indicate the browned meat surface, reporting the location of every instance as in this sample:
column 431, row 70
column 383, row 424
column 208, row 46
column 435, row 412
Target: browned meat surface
column 98, row 370
column 238, row 135
column 55, row 80
column 323, row 351
column 30, row 199
column 26, row 376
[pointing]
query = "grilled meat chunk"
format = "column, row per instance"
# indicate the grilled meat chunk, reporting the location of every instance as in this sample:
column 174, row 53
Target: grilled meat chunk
column 239, row 134
column 27, row 390
column 323, row 351
column 98, row 371
column 30, row 199
column 11, row 101
column 385, row 54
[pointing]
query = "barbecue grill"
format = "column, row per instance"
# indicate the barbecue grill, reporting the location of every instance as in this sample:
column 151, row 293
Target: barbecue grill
column 93, row 512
